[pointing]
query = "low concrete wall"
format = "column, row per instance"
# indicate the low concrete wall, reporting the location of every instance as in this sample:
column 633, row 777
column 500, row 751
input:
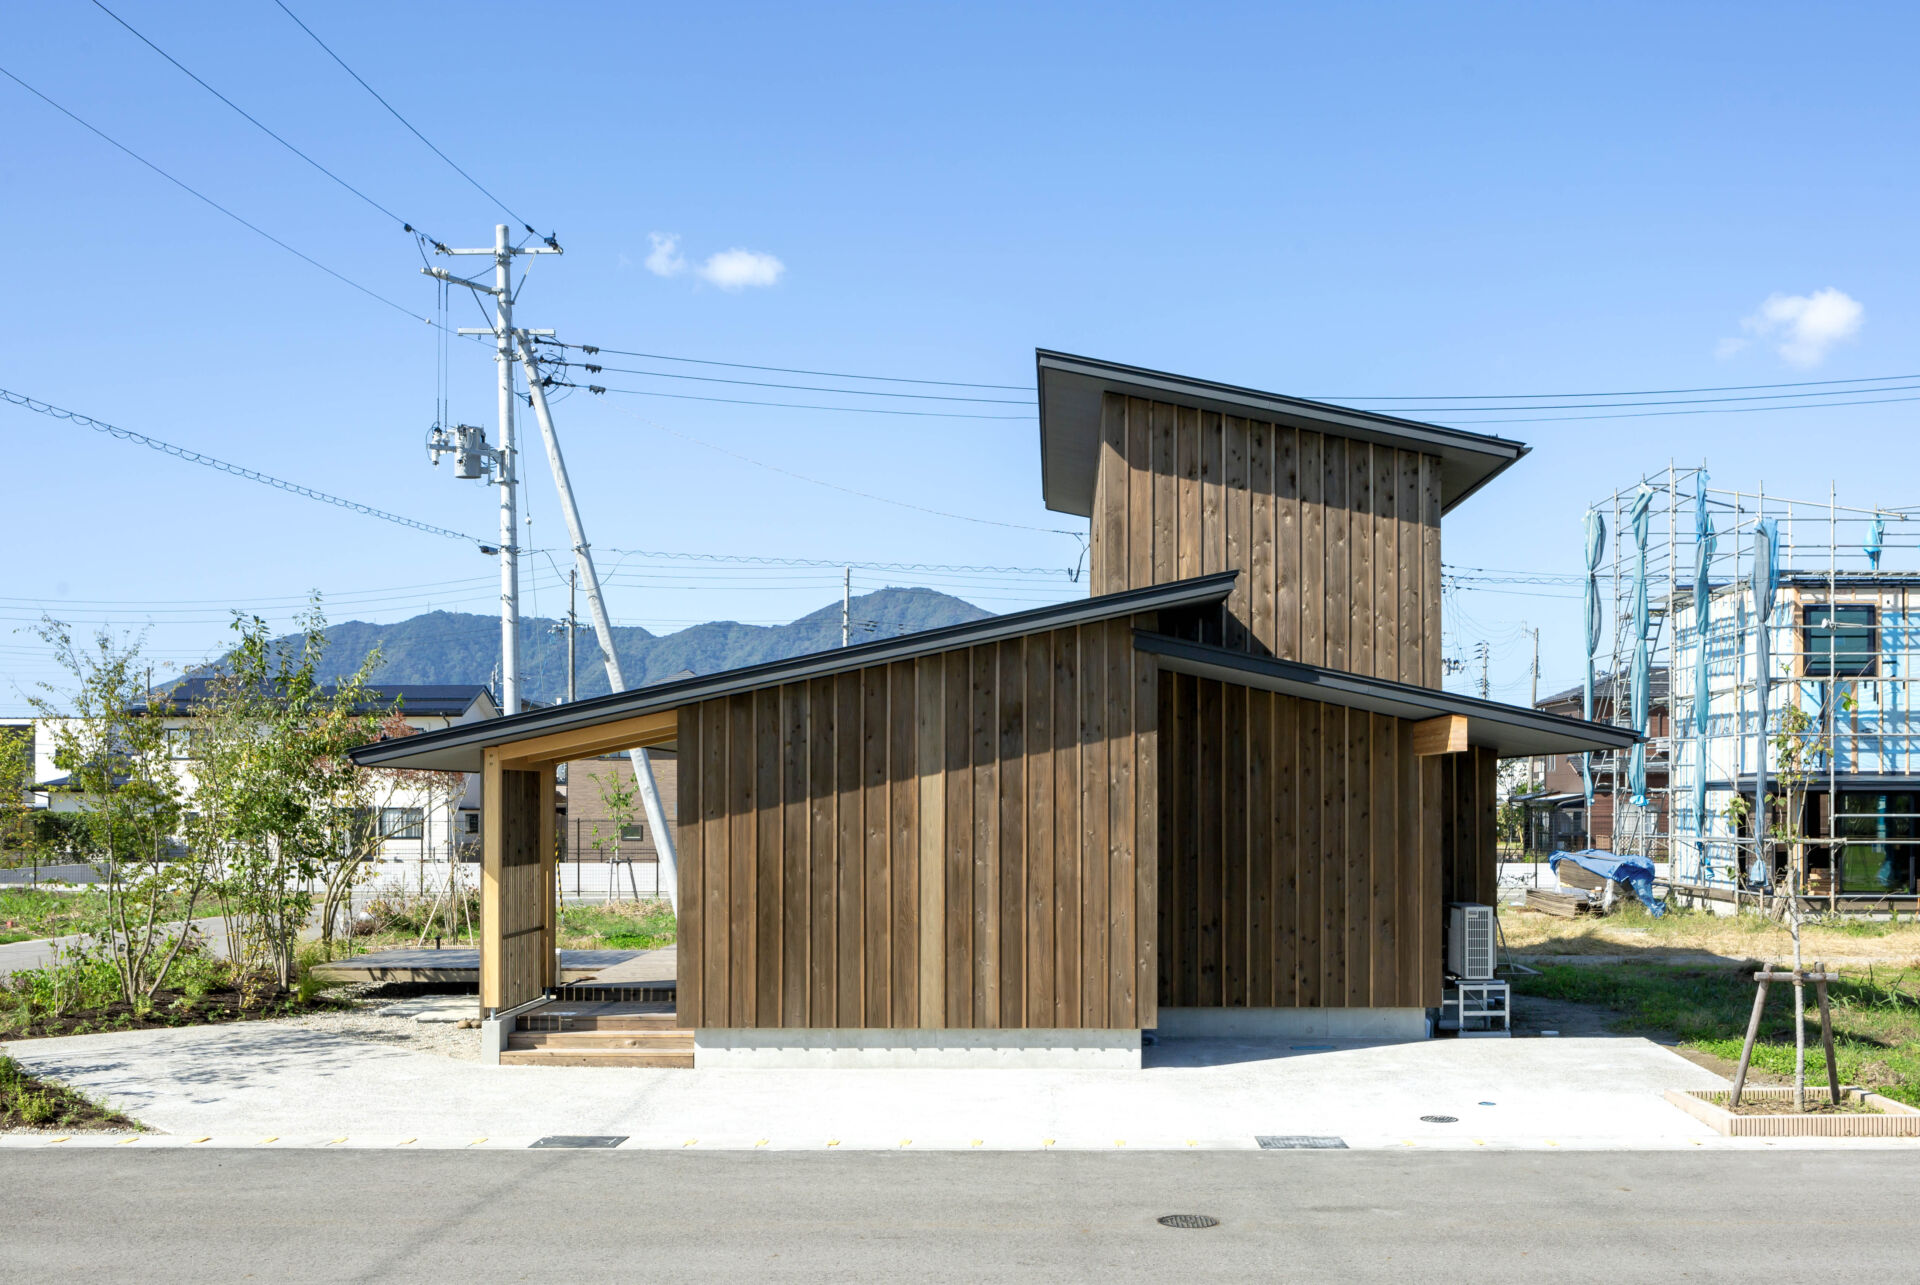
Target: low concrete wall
column 1295, row 1023
column 786, row 1048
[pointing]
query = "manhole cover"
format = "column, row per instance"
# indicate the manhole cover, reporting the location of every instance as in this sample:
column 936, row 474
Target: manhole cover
column 1298, row 1142
column 582, row 1140
column 1188, row 1220
column 1440, row 1119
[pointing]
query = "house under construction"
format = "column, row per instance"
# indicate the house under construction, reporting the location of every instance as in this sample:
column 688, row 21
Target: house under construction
column 1833, row 661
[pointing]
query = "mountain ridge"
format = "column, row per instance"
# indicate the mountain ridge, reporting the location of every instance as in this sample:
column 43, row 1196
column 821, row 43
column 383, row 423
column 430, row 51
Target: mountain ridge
column 464, row 647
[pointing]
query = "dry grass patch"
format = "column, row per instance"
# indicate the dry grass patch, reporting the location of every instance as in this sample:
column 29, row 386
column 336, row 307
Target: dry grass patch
column 1630, row 930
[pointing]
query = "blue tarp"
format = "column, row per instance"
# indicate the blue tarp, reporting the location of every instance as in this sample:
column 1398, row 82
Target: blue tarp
column 1635, row 872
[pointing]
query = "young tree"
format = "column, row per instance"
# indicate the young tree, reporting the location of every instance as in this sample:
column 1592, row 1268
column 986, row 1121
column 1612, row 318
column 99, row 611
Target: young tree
column 279, row 799
column 110, row 741
column 19, row 837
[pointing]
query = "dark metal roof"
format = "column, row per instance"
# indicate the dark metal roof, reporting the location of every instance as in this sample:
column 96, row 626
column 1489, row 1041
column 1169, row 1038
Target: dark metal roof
column 457, row 749
column 1603, row 690
column 426, row 700
column 1510, row 730
column 1071, row 389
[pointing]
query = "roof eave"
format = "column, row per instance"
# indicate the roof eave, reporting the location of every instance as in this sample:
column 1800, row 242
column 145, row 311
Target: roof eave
column 1069, row 389
column 458, row 748
column 1511, row 731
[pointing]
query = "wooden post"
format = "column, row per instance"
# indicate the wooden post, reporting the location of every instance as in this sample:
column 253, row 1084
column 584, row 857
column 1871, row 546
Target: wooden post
column 1826, row 1030
column 1746, row 1050
column 492, row 836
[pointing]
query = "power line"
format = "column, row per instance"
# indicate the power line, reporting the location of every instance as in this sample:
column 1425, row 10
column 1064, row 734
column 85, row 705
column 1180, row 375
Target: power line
column 198, row 195
column 835, row 564
column 590, row 350
column 251, row 475
column 845, row 410
column 1631, row 392
column 1691, row 401
column 404, row 121
column 258, row 124
column 835, row 486
column 1717, row 410
column 806, row 388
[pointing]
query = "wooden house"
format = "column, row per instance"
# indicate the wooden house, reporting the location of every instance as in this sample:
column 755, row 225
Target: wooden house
column 1225, row 793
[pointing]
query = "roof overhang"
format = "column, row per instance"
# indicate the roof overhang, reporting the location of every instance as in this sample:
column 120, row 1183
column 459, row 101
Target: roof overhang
column 1509, row 730
column 460, row 748
column 1070, row 394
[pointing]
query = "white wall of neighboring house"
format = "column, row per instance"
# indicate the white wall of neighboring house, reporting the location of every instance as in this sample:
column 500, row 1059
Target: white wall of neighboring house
column 429, row 821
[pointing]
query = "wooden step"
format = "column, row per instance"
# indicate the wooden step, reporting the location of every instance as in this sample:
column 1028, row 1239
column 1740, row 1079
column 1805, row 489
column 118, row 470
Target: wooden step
column 661, row 1041
column 544, row 1021
column 597, row 1057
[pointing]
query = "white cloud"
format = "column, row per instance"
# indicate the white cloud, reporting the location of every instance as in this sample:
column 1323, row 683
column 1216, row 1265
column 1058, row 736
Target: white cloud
column 665, row 260
column 1802, row 327
column 1730, row 347
column 736, row 269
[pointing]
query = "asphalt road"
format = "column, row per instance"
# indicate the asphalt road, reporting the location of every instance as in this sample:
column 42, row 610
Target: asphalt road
column 1310, row 1216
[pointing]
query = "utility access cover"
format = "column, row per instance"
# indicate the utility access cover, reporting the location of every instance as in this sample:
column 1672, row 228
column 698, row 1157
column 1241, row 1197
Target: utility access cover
column 582, row 1140
column 1298, row 1142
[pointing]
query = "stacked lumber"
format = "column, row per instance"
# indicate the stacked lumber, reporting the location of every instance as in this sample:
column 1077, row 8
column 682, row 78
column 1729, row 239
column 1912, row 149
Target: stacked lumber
column 1564, row 904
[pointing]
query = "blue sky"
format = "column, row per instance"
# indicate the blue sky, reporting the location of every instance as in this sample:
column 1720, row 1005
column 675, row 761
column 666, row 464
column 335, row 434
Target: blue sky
column 1340, row 201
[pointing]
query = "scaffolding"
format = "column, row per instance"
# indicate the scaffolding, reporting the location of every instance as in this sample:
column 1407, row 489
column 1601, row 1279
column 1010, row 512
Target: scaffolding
column 1840, row 643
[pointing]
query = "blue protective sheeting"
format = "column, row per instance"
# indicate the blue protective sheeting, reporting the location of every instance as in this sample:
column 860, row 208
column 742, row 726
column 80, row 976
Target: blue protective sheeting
column 1635, row 872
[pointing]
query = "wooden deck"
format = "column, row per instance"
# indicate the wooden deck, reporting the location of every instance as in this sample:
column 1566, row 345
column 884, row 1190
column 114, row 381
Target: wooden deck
column 600, row 1033
column 461, row 966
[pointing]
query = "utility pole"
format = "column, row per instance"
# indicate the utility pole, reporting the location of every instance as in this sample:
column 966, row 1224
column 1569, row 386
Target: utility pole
column 1533, row 702
column 503, row 458
column 602, row 625
column 1484, row 651
column 846, row 608
column 573, row 578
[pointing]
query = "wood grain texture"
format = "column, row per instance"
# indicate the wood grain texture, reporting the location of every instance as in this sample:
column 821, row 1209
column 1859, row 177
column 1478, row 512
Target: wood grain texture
column 1336, row 540
column 953, row 841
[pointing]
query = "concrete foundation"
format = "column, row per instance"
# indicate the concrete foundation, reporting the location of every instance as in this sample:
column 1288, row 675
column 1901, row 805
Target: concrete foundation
column 1036, row 1049
column 1295, row 1023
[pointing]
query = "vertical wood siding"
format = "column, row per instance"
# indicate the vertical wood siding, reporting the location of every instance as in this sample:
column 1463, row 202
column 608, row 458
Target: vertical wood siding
column 1337, row 541
column 1295, row 868
column 516, row 885
column 963, row 840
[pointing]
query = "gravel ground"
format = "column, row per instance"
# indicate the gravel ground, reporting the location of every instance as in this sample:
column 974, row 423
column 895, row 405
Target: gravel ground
column 362, row 1022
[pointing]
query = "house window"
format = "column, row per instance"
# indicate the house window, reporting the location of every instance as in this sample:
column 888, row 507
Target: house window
column 1877, row 832
column 179, row 742
column 1839, row 641
column 470, row 822
column 402, row 823
column 633, row 834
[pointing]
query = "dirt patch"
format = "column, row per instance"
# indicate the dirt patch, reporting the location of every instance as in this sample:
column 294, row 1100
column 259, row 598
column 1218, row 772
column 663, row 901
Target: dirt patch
column 29, row 1102
column 173, row 1008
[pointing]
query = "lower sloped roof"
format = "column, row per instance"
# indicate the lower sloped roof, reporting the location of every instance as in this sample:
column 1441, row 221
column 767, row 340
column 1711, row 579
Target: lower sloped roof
column 1509, row 730
column 458, row 749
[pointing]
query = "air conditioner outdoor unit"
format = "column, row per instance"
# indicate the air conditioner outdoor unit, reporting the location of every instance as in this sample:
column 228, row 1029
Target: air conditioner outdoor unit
column 1471, row 941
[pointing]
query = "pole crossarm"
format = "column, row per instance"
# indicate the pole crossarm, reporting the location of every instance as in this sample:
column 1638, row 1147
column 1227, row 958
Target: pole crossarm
column 450, row 279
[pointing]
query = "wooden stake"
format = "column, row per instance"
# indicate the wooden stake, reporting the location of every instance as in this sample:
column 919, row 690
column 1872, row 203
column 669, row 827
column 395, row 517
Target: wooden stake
column 1826, row 1030
column 1746, row 1050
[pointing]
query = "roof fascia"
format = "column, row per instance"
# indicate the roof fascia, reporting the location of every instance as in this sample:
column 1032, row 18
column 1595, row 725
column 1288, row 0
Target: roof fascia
column 1511, row 730
column 457, row 748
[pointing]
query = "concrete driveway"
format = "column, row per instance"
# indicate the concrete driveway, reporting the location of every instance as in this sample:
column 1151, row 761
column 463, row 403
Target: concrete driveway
column 258, row 1080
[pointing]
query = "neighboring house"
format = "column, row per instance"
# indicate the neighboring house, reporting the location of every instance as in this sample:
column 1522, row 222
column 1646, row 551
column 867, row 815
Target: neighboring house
column 1224, row 794
column 593, row 833
column 422, row 824
column 1556, row 817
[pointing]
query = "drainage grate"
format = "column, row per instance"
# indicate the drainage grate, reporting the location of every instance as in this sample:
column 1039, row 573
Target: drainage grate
column 582, row 1140
column 1298, row 1142
column 1440, row 1119
column 1191, row 1221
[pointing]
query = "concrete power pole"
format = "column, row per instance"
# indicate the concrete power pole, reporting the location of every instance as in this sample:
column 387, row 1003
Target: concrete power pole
column 602, row 625
column 505, row 469
column 846, row 609
column 573, row 623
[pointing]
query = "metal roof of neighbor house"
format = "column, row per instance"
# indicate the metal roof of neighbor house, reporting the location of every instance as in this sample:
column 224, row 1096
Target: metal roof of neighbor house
column 1510, row 730
column 426, row 700
column 457, row 749
column 1071, row 388
column 1603, row 690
